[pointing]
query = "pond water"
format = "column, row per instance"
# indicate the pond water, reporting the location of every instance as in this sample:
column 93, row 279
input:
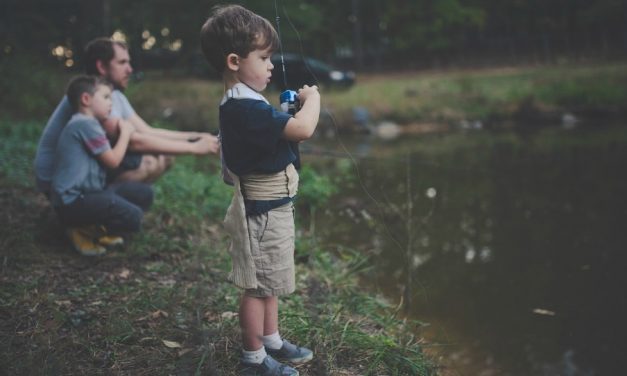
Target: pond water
column 510, row 246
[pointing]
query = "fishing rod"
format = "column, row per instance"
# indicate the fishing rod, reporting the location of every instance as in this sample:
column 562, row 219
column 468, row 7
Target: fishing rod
column 289, row 97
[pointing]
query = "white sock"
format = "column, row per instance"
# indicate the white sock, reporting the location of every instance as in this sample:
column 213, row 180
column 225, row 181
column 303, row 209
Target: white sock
column 254, row 357
column 272, row 341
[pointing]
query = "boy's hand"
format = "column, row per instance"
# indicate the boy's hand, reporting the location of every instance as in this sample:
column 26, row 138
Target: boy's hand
column 126, row 127
column 111, row 128
column 306, row 92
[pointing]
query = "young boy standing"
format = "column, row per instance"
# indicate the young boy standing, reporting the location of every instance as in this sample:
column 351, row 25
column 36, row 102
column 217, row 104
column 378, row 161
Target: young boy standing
column 78, row 191
column 258, row 155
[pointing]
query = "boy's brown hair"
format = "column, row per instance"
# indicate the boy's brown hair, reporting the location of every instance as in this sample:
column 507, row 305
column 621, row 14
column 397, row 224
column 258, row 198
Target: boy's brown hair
column 100, row 49
column 235, row 29
column 83, row 84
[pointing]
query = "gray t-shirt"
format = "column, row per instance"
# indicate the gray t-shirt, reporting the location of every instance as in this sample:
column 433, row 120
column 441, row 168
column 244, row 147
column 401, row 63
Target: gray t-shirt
column 76, row 169
column 44, row 160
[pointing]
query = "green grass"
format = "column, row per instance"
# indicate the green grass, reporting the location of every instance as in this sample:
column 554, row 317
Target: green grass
column 129, row 311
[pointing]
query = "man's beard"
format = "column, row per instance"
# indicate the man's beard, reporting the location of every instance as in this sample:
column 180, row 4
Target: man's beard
column 115, row 85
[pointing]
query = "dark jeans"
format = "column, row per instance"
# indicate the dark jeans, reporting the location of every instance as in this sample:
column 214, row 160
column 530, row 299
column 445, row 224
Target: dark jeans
column 119, row 208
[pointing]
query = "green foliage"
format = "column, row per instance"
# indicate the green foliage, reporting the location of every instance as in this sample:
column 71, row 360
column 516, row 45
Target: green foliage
column 18, row 143
column 193, row 189
column 349, row 325
column 315, row 189
column 31, row 88
column 602, row 92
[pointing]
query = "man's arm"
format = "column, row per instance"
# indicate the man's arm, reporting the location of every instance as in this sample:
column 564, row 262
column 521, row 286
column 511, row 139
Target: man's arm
column 150, row 143
column 143, row 127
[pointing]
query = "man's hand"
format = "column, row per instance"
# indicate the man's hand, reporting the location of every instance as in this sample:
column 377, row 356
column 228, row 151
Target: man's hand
column 206, row 144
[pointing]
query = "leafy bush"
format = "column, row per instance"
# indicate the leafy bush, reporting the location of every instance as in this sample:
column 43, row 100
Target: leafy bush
column 18, row 143
column 31, row 88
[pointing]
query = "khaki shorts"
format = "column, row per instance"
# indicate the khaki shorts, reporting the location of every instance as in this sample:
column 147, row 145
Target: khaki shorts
column 272, row 244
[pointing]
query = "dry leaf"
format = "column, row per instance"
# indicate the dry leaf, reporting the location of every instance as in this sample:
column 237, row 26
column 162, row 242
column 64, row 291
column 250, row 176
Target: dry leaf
column 159, row 313
column 171, row 344
column 184, row 351
column 124, row 273
column 229, row 315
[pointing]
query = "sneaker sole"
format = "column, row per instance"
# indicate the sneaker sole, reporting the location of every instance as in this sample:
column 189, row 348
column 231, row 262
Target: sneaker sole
column 113, row 244
column 301, row 360
column 90, row 253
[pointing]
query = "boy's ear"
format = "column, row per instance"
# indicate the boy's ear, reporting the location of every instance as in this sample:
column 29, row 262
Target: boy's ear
column 85, row 99
column 232, row 62
column 102, row 67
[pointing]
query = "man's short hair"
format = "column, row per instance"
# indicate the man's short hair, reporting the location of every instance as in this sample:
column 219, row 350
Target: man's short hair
column 83, row 84
column 100, row 49
column 235, row 29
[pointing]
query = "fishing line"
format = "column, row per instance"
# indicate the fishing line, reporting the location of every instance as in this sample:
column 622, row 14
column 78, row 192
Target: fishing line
column 335, row 126
column 278, row 30
column 379, row 206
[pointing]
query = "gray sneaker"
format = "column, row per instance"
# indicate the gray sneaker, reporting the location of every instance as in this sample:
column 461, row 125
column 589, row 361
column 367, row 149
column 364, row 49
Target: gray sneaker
column 291, row 353
column 269, row 367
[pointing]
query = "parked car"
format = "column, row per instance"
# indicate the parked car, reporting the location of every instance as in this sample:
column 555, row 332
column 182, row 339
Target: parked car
column 302, row 70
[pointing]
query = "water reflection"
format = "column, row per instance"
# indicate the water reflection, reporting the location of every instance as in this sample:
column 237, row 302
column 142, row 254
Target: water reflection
column 515, row 248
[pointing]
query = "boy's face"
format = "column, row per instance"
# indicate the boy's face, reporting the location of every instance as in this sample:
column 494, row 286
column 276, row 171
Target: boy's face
column 255, row 70
column 100, row 103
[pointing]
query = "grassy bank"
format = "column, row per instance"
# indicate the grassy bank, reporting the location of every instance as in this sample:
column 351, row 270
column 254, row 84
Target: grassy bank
column 539, row 94
column 532, row 94
column 161, row 305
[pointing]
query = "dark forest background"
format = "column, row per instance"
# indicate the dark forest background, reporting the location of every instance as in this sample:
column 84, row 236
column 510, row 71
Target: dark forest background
column 365, row 35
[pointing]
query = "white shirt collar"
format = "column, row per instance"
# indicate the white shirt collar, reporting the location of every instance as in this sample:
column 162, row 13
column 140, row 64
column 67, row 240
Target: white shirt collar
column 241, row 91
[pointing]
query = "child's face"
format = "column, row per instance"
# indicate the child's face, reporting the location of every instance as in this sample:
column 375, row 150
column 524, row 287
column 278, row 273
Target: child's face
column 255, row 70
column 101, row 102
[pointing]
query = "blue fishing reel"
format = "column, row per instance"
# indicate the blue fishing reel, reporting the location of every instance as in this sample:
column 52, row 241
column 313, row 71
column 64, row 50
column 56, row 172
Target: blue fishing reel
column 289, row 102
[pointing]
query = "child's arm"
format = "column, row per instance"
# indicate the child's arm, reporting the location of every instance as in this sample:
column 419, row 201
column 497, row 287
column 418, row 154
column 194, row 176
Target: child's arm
column 302, row 126
column 113, row 157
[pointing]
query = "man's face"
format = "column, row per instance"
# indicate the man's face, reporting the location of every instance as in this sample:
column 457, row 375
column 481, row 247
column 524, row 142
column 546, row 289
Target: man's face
column 101, row 102
column 119, row 69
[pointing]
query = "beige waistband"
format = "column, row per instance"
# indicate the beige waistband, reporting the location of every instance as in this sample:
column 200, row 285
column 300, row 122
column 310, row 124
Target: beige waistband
column 270, row 186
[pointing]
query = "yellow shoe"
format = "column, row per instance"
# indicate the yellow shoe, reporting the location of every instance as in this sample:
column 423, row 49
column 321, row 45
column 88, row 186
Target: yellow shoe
column 110, row 241
column 82, row 239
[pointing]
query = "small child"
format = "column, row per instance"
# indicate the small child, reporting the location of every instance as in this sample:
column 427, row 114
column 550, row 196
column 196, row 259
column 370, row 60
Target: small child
column 257, row 146
column 79, row 193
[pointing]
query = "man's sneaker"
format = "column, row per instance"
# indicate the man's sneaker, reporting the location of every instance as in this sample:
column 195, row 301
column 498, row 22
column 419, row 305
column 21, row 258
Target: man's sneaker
column 269, row 367
column 82, row 239
column 110, row 241
column 291, row 353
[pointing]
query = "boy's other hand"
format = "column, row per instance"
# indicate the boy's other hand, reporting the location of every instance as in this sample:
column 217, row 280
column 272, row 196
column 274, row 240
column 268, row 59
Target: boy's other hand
column 306, row 92
column 126, row 127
